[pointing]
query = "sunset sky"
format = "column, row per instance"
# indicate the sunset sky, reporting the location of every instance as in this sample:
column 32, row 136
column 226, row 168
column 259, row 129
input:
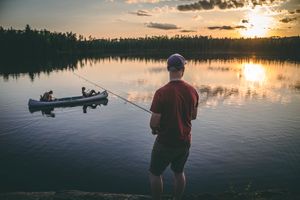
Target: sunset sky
column 138, row 18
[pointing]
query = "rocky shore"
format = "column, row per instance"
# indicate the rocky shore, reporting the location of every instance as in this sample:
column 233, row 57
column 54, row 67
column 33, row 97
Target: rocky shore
column 80, row 195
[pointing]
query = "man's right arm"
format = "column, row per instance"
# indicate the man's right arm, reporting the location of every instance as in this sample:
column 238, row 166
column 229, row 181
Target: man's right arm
column 194, row 112
column 155, row 123
column 156, row 113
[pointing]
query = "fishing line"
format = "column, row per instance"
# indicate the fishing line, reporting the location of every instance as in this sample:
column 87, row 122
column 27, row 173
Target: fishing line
column 124, row 99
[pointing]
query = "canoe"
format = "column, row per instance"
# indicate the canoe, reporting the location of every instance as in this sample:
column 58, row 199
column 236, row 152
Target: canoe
column 67, row 101
column 49, row 109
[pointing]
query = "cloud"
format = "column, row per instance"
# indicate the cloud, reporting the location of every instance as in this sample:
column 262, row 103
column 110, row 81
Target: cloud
column 197, row 17
column 226, row 27
column 141, row 1
column 294, row 11
column 154, row 11
column 240, row 26
column 141, row 13
column 228, row 4
column 164, row 9
column 187, row 31
column 162, row 26
column 288, row 19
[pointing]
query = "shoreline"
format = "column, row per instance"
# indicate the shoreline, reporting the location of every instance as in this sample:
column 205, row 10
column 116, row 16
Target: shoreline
column 271, row 194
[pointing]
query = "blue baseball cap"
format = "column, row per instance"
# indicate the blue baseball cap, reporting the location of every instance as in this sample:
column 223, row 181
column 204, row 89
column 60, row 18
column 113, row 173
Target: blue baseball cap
column 175, row 62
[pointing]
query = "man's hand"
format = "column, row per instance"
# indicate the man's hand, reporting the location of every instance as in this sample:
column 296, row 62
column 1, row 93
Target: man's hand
column 155, row 131
column 194, row 113
column 155, row 123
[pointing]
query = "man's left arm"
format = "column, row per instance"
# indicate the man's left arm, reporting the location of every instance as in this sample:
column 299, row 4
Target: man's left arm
column 195, row 106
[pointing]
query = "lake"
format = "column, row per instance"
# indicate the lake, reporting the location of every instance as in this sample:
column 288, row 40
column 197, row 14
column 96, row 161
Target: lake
column 246, row 134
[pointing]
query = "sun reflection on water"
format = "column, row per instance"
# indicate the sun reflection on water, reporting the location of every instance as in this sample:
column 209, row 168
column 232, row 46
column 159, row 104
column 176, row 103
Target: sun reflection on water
column 254, row 72
column 232, row 82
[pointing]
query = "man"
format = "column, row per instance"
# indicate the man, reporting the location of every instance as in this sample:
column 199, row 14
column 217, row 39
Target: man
column 173, row 107
column 47, row 96
column 87, row 94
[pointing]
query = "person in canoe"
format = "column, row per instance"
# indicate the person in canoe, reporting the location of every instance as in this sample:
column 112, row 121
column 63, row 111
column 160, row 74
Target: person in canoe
column 87, row 93
column 47, row 96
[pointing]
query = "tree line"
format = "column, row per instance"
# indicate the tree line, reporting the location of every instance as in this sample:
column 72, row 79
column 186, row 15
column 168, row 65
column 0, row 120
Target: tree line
column 44, row 43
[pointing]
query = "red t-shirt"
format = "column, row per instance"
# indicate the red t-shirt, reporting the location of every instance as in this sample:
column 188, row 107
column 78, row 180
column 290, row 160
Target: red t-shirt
column 175, row 102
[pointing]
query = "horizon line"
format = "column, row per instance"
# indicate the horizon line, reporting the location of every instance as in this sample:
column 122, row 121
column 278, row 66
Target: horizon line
column 90, row 37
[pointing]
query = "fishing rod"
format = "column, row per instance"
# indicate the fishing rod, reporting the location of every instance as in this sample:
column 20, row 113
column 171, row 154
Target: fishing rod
column 124, row 99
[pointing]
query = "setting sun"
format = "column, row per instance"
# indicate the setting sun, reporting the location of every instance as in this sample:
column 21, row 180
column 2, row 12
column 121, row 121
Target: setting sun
column 258, row 24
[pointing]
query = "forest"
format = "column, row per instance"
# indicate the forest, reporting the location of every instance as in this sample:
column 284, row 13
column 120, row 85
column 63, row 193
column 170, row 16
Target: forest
column 43, row 43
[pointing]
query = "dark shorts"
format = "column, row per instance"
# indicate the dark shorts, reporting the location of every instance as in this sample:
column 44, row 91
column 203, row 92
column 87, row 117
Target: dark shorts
column 162, row 156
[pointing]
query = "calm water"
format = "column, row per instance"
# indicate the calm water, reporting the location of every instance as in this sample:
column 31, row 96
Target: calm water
column 247, row 131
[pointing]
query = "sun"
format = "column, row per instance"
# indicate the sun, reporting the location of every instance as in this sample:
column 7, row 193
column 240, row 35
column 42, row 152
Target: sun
column 258, row 24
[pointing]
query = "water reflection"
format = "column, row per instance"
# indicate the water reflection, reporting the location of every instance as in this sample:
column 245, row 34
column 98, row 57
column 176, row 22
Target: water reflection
column 94, row 105
column 140, row 96
column 33, row 67
column 49, row 110
column 223, row 80
column 296, row 86
column 218, row 68
column 240, row 112
column 212, row 96
column 229, row 82
column 254, row 72
column 209, row 95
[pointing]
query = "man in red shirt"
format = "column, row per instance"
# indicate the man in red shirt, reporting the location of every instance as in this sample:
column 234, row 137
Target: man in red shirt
column 173, row 107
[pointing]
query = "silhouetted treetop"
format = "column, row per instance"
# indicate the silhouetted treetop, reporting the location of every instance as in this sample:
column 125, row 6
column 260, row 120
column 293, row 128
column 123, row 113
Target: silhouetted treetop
column 31, row 42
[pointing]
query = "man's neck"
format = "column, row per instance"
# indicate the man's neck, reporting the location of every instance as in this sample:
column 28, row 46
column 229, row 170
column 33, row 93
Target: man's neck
column 175, row 76
column 175, row 79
